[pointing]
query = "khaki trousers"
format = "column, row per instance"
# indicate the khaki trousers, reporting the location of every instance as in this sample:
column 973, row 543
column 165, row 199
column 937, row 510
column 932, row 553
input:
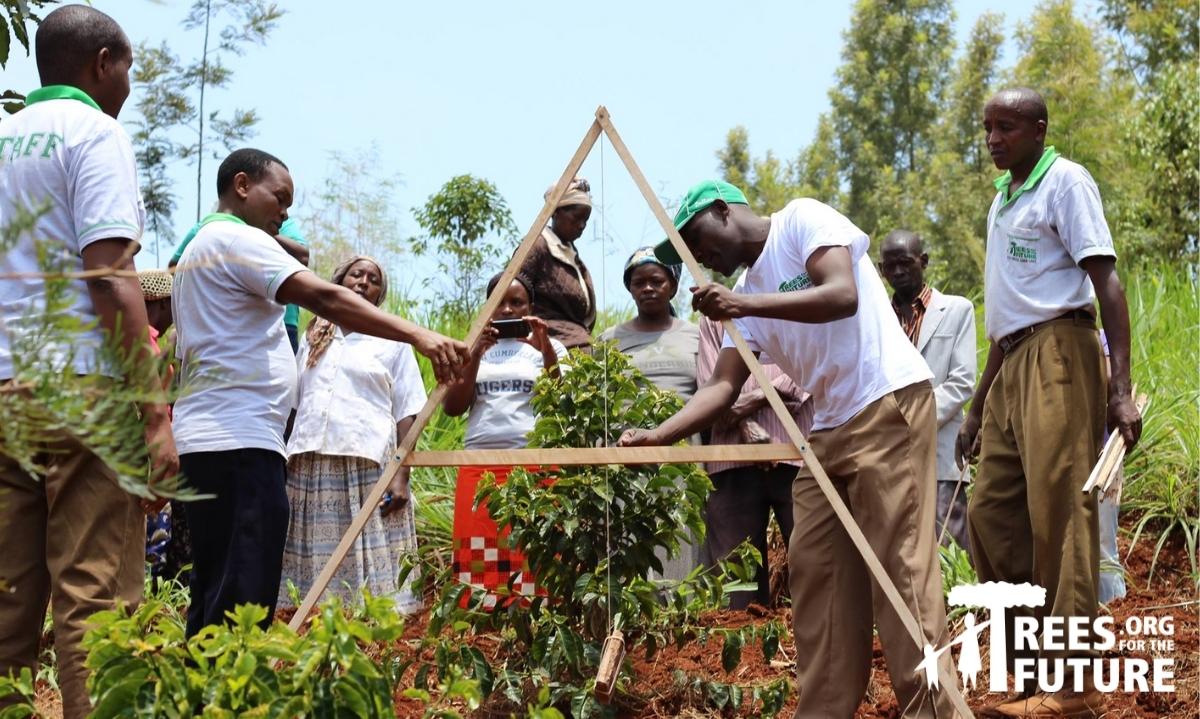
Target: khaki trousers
column 1042, row 424
column 72, row 538
column 883, row 464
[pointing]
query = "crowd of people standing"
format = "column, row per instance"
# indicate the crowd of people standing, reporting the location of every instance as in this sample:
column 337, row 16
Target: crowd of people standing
column 286, row 430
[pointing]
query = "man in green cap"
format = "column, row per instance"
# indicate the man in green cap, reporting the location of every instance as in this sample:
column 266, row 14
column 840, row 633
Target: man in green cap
column 812, row 301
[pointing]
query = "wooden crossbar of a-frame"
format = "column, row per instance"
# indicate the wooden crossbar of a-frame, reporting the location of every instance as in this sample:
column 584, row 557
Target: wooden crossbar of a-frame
column 603, row 123
column 565, row 457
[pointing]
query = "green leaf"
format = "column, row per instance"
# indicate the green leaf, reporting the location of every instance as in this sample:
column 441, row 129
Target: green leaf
column 731, row 651
column 5, row 42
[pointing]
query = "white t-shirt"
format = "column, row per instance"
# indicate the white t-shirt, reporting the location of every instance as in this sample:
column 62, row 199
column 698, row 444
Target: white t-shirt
column 1034, row 247
column 501, row 415
column 846, row 364
column 350, row 402
column 239, row 374
column 76, row 162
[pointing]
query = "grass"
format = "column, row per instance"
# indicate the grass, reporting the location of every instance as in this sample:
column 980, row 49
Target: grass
column 1163, row 471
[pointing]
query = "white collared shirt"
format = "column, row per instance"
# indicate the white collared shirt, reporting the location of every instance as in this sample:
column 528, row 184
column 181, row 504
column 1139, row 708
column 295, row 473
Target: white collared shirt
column 846, row 364
column 75, row 163
column 1034, row 246
column 349, row 403
column 238, row 373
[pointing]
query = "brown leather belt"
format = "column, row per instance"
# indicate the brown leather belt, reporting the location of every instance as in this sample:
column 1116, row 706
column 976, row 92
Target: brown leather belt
column 1009, row 342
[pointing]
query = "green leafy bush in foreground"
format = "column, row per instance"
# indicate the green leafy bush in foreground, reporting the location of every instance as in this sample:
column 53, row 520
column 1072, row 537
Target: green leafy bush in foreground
column 142, row 666
column 591, row 536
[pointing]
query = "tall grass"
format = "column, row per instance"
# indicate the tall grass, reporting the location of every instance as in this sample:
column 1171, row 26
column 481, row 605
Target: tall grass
column 1162, row 487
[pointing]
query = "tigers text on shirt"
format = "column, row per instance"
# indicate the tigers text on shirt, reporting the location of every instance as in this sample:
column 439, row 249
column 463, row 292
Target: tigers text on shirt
column 501, row 416
column 846, row 364
column 1035, row 243
column 67, row 159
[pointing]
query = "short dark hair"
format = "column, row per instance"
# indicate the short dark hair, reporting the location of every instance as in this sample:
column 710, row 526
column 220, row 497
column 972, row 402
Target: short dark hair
column 1026, row 101
column 491, row 285
column 248, row 160
column 69, row 39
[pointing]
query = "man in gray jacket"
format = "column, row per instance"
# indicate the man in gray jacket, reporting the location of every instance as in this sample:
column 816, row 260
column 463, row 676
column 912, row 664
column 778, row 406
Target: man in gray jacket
column 943, row 329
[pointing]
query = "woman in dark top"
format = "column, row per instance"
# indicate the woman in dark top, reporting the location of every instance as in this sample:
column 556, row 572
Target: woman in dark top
column 563, row 295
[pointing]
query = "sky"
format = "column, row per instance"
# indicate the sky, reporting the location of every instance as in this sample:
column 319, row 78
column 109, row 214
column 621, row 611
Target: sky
column 505, row 91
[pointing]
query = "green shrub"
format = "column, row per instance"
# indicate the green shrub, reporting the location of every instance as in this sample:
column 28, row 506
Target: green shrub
column 590, row 536
column 143, row 666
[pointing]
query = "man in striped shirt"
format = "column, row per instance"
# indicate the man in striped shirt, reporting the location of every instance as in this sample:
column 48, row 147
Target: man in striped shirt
column 942, row 327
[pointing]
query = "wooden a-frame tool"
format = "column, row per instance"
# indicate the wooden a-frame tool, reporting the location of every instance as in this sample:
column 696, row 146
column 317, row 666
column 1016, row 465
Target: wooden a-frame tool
column 798, row 449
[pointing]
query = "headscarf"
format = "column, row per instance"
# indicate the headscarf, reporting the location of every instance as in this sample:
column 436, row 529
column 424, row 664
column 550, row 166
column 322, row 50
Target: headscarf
column 320, row 331
column 156, row 284
column 578, row 192
column 645, row 256
column 520, row 277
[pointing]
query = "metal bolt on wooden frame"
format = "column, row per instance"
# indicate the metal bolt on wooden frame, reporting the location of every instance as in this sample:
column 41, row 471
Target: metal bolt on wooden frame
column 405, row 456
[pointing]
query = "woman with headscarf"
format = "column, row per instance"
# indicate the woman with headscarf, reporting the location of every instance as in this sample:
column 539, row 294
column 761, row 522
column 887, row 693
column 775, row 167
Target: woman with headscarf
column 560, row 282
column 357, row 396
column 662, row 346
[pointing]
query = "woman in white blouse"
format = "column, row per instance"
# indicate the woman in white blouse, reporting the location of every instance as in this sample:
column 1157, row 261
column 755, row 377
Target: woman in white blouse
column 357, row 395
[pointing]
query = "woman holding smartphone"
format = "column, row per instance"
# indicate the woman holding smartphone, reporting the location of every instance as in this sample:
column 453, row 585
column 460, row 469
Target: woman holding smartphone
column 511, row 353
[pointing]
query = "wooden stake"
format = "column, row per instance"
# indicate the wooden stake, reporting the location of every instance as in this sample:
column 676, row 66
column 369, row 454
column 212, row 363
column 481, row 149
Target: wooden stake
column 611, row 657
column 1112, row 457
column 950, row 683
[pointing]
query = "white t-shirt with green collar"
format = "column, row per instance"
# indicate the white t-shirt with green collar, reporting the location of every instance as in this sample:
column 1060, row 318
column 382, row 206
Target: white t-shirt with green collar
column 63, row 156
column 846, row 364
column 1036, row 238
column 238, row 375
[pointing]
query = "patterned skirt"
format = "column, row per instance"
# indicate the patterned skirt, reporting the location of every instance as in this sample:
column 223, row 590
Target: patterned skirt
column 325, row 492
column 483, row 556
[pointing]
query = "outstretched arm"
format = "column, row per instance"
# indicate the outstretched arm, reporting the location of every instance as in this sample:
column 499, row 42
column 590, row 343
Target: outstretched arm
column 354, row 314
column 702, row 409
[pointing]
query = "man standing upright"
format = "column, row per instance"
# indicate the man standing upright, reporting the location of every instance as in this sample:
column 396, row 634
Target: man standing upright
column 943, row 329
column 69, row 534
column 1040, row 402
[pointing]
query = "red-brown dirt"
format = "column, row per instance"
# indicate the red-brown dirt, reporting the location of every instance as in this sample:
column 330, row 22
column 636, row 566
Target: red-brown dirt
column 1171, row 593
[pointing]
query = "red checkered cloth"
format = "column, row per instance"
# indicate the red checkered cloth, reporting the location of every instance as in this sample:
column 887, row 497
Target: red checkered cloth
column 483, row 556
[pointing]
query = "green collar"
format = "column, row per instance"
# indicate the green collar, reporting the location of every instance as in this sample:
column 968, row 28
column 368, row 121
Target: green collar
column 221, row 217
column 59, row 92
column 1004, row 181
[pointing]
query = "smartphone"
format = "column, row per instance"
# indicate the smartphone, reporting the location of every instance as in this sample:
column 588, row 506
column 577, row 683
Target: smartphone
column 512, row 329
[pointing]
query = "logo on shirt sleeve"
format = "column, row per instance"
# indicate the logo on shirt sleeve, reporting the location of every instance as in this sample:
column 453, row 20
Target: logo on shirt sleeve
column 799, row 282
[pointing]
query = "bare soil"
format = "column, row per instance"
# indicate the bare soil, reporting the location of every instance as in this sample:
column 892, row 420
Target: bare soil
column 657, row 694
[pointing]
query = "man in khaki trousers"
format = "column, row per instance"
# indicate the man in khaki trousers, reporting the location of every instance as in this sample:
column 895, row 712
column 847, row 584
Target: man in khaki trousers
column 811, row 300
column 1041, row 399
column 68, row 534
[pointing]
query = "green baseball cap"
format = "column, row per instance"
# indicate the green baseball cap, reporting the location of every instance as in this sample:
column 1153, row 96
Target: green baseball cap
column 699, row 197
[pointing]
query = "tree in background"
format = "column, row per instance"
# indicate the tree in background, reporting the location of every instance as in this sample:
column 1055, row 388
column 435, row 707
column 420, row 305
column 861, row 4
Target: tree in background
column 12, row 24
column 957, row 185
column 353, row 214
column 171, row 102
column 1158, row 43
column 460, row 221
column 888, row 95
